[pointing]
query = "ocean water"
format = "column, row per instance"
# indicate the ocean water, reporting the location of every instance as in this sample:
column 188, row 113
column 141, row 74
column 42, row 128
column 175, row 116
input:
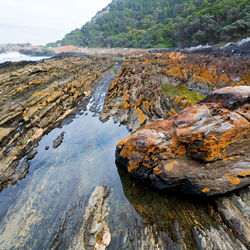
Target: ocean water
column 17, row 57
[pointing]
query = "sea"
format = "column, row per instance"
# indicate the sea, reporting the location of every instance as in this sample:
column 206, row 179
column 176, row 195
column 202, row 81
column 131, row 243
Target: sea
column 16, row 57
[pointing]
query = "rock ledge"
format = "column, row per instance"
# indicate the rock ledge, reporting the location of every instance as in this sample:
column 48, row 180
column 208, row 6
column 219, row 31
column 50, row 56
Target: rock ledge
column 202, row 150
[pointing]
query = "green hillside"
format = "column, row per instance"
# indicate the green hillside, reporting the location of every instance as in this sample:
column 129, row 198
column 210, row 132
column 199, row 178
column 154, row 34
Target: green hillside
column 163, row 23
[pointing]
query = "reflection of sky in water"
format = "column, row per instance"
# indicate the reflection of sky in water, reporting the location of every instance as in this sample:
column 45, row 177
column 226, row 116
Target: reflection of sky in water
column 58, row 179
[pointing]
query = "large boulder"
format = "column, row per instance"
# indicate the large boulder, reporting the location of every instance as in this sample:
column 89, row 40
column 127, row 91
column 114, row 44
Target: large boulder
column 202, row 150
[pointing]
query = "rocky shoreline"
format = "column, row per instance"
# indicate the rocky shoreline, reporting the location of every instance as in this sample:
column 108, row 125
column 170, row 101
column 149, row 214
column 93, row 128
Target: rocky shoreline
column 137, row 99
column 240, row 49
column 36, row 97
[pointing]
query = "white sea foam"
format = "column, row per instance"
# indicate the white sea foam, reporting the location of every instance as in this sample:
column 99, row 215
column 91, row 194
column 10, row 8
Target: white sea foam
column 16, row 57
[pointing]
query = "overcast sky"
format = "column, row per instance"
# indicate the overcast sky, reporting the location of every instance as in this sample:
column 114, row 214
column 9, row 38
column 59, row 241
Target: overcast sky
column 43, row 21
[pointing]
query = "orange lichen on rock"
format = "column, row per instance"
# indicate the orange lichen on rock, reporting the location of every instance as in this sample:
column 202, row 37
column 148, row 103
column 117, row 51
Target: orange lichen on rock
column 178, row 148
column 244, row 173
column 205, row 190
column 138, row 92
column 170, row 166
column 201, row 70
column 171, row 112
column 233, row 179
column 114, row 82
column 141, row 116
column 53, row 96
column 157, row 170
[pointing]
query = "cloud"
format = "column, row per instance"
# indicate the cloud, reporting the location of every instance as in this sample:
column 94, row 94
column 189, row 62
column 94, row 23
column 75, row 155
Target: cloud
column 61, row 16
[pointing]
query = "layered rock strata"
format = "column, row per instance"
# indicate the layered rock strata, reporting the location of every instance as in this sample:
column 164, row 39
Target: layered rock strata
column 134, row 96
column 153, row 86
column 94, row 233
column 202, row 150
column 36, row 97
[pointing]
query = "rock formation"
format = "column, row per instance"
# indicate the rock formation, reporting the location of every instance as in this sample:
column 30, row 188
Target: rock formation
column 184, row 222
column 153, row 86
column 94, row 233
column 202, row 150
column 34, row 98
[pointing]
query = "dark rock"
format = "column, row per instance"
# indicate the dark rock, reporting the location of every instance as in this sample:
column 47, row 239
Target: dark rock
column 46, row 147
column 241, row 48
column 58, row 141
column 31, row 155
column 235, row 211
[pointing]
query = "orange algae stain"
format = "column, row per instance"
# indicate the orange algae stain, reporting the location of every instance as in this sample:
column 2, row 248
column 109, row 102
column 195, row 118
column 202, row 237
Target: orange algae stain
column 37, row 94
column 157, row 171
column 141, row 116
column 132, row 165
column 44, row 104
column 244, row 173
column 171, row 112
column 233, row 179
column 218, row 188
column 170, row 166
column 205, row 190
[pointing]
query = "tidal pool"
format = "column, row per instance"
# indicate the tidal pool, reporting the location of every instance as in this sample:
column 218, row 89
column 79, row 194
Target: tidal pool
column 44, row 210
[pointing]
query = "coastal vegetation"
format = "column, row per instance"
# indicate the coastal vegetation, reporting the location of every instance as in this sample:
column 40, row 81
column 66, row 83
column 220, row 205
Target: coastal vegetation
column 163, row 23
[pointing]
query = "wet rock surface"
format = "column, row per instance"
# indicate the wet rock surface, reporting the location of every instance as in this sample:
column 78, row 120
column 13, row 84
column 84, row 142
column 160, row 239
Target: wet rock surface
column 235, row 211
column 202, row 150
column 58, row 141
column 174, row 221
column 94, row 233
column 90, row 229
column 35, row 97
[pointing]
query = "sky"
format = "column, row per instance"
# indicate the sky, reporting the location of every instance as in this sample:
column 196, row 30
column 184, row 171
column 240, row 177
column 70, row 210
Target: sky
column 42, row 21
